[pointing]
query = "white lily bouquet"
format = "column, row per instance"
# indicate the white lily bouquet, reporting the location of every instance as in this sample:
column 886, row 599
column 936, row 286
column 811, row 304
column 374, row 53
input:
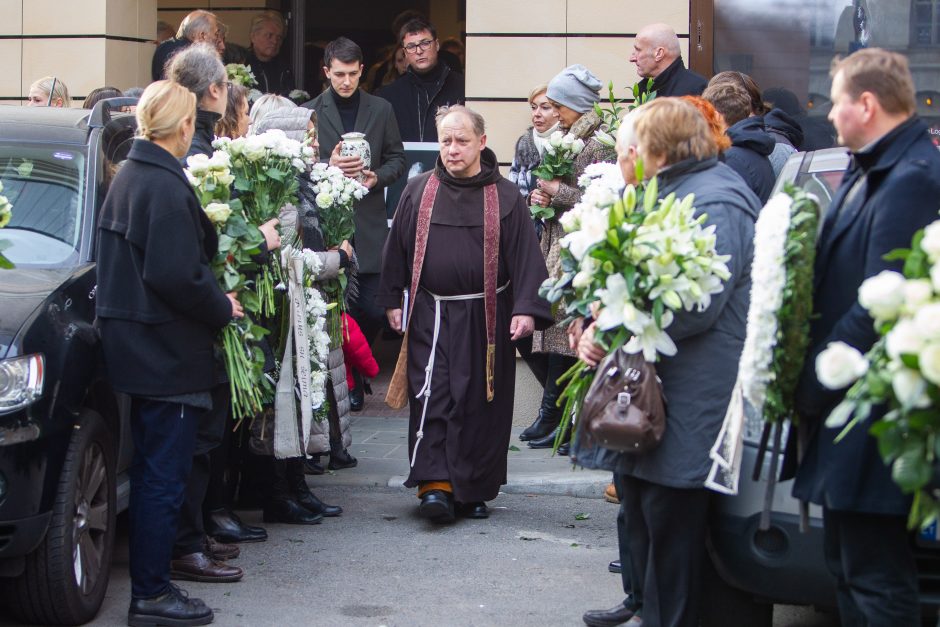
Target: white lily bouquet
column 265, row 168
column 557, row 162
column 6, row 214
column 633, row 259
column 777, row 330
column 233, row 266
column 241, row 75
column 901, row 371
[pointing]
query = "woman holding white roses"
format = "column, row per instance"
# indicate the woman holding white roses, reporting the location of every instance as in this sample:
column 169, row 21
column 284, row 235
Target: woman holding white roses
column 573, row 93
column 664, row 500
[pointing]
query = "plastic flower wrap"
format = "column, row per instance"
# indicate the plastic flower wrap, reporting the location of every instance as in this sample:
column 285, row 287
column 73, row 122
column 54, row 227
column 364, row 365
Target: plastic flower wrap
column 632, row 260
column 241, row 75
column 901, row 371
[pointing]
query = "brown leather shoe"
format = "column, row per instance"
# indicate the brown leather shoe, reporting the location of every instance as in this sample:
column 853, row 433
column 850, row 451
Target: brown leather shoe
column 220, row 551
column 201, row 567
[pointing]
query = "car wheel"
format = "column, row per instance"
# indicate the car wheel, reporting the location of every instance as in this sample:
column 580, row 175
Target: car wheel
column 725, row 605
column 66, row 577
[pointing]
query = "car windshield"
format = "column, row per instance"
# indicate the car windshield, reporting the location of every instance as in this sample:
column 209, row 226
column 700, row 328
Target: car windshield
column 45, row 185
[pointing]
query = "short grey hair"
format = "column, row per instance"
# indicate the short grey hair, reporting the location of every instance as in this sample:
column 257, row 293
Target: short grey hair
column 196, row 68
column 266, row 104
column 258, row 21
column 196, row 23
column 476, row 120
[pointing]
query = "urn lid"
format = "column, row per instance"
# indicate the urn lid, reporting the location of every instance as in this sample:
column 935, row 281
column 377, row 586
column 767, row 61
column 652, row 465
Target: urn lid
column 354, row 136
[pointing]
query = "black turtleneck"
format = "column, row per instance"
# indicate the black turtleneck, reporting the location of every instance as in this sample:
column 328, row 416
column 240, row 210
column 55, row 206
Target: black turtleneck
column 432, row 76
column 204, row 133
column 348, row 109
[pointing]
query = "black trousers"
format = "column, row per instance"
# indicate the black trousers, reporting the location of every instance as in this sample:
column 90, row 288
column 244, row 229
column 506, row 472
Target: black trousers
column 164, row 436
column 370, row 316
column 876, row 577
column 666, row 537
column 192, row 531
column 623, row 544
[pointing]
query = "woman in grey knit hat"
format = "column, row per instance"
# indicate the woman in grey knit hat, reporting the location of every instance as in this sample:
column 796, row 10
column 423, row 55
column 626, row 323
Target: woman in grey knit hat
column 573, row 93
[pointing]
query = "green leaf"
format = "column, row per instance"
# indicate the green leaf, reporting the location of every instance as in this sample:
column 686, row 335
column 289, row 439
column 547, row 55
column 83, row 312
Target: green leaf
column 513, row 447
column 911, row 470
column 582, row 516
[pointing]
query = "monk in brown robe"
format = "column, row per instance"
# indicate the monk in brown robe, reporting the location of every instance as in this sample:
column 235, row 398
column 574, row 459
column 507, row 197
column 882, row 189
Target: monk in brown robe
column 463, row 244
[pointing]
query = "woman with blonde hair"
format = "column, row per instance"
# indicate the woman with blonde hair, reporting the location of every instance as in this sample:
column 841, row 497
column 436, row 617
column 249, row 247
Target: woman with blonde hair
column 49, row 91
column 159, row 309
column 663, row 495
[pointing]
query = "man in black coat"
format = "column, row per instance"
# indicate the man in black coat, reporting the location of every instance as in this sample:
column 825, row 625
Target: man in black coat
column 425, row 86
column 198, row 26
column 657, row 55
column 751, row 145
column 272, row 69
column 345, row 108
column 889, row 192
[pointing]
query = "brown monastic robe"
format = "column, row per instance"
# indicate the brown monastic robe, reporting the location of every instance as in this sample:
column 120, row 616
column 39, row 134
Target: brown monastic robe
column 466, row 438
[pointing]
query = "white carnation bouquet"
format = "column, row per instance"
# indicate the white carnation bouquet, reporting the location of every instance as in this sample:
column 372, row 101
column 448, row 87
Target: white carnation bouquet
column 632, row 259
column 777, row 329
column 901, row 371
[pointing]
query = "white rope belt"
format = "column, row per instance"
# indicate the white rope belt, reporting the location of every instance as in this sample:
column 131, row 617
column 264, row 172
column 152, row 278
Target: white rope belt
column 429, row 369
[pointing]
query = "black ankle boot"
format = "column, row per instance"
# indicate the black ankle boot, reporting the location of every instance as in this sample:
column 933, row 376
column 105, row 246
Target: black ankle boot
column 545, row 423
column 340, row 457
column 549, row 440
column 302, row 494
column 286, row 510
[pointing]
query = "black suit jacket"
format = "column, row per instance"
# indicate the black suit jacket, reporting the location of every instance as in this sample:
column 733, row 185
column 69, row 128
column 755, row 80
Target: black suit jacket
column 901, row 196
column 376, row 119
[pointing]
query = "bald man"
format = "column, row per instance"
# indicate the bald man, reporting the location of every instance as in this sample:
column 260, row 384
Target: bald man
column 656, row 55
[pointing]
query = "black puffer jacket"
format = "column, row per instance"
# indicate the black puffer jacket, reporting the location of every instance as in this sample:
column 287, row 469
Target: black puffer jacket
column 159, row 306
column 748, row 156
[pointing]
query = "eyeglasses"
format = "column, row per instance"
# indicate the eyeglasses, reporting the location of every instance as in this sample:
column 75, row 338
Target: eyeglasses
column 421, row 46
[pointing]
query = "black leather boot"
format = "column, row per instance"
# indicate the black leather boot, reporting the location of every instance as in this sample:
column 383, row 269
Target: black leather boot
column 549, row 412
column 303, row 495
column 340, row 457
column 225, row 526
column 549, row 441
column 281, row 506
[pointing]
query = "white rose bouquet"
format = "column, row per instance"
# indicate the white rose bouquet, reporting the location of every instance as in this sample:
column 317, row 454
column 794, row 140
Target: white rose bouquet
column 632, row 260
column 317, row 311
column 901, row 371
column 299, row 96
column 233, row 266
column 777, row 329
column 6, row 214
column 241, row 75
column 264, row 169
column 335, row 195
column 557, row 162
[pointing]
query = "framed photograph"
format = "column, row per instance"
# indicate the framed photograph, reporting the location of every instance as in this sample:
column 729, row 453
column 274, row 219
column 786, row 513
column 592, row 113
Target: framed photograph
column 420, row 157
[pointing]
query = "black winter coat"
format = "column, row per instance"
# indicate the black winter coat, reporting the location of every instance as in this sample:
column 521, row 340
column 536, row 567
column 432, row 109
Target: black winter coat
column 159, row 306
column 162, row 55
column 750, row 147
column 676, row 81
column 274, row 76
column 414, row 105
column 204, row 134
column 902, row 195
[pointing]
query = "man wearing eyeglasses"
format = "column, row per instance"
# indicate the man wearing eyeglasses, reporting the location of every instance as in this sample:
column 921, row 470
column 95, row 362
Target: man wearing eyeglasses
column 425, row 86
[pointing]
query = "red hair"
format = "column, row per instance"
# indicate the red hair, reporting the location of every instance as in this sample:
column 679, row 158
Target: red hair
column 716, row 123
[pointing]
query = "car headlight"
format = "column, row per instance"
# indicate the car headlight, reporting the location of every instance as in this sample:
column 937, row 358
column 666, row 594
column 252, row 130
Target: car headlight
column 20, row 381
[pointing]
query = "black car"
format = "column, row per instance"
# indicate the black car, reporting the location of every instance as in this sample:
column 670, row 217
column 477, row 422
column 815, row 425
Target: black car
column 64, row 444
column 757, row 568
